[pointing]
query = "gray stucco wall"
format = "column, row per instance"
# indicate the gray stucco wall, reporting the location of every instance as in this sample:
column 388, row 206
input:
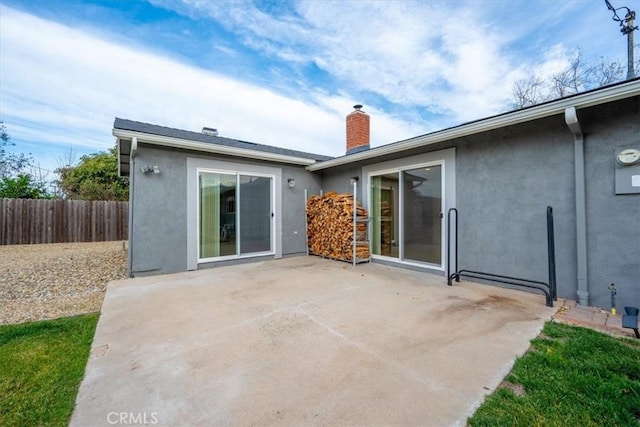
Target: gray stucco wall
column 339, row 179
column 158, row 240
column 506, row 178
column 294, row 204
column 613, row 221
column 505, row 181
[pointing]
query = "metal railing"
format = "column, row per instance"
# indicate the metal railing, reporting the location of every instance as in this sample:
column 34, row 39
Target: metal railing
column 549, row 289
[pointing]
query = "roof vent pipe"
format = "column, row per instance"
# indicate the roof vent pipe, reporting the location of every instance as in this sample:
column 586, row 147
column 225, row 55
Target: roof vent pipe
column 210, row 131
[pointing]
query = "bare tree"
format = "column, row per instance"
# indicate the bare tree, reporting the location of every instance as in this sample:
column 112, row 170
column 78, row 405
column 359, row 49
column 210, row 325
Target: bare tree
column 605, row 73
column 38, row 174
column 11, row 164
column 570, row 80
column 576, row 77
column 527, row 92
column 67, row 159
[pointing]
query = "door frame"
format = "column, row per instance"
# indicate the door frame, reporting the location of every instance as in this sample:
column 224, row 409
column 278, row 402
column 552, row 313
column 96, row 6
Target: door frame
column 238, row 209
column 194, row 166
column 446, row 160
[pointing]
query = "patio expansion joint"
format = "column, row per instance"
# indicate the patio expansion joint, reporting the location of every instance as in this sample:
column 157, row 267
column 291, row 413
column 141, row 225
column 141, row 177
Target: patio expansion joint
column 288, row 308
column 300, row 308
column 390, row 362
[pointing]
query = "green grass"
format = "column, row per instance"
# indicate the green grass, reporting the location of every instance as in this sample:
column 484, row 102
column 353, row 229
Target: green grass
column 41, row 366
column 572, row 377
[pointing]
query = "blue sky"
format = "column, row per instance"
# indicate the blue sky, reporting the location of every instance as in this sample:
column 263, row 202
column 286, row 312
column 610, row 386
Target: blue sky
column 283, row 73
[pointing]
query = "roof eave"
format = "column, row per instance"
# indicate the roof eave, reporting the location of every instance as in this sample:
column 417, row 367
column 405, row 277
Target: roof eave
column 614, row 93
column 166, row 141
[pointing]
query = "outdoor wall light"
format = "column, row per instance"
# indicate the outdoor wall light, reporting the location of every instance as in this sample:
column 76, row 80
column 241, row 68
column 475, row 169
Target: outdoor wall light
column 354, row 180
column 291, row 182
column 148, row 169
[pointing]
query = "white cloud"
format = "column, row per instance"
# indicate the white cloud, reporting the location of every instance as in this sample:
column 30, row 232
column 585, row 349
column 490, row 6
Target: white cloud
column 459, row 60
column 65, row 87
column 410, row 53
column 554, row 60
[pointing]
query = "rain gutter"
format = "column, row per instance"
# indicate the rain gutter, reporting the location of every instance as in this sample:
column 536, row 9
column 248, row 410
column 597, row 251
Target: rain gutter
column 571, row 119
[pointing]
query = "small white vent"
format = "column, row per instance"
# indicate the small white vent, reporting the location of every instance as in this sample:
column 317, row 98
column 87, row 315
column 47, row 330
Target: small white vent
column 210, row 131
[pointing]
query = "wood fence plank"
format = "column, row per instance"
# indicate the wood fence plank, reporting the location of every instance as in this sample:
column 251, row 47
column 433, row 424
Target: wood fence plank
column 26, row 221
column 3, row 220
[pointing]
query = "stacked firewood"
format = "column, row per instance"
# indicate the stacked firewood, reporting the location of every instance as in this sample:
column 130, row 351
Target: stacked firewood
column 330, row 227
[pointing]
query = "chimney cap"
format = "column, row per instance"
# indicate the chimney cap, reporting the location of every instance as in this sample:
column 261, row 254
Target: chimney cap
column 357, row 107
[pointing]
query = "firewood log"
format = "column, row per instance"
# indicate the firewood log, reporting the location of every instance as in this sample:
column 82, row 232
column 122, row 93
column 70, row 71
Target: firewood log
column 330, row 227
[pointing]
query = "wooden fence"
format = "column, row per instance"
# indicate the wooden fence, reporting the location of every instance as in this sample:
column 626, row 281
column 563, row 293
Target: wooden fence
column 24, row 221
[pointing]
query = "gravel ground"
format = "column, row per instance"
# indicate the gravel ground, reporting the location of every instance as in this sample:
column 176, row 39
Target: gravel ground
column 56, row 280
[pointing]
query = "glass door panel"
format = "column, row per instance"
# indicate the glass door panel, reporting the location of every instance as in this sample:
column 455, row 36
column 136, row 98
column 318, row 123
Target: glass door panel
column 422, row 205
column 217, row 214
column 255, row 214
column 385, row 204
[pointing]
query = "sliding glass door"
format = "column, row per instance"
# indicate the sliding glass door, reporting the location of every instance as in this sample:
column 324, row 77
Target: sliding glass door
column 385, row 191
column 406, row 210
column 255, row 214
column 422, row 203
column 217, row 215
column 234, row 215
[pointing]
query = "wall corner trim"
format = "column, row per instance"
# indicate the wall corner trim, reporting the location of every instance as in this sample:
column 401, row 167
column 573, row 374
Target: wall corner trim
column 132, row 155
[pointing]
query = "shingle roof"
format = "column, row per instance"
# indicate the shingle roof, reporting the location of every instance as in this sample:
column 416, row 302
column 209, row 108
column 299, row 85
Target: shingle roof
column 134, row 126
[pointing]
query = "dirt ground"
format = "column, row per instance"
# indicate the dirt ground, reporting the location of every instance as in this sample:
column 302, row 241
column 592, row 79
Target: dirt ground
column 47, row 281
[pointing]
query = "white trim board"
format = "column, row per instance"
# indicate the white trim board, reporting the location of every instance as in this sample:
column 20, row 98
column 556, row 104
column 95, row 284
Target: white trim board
column 447, row 160
column 167, row 141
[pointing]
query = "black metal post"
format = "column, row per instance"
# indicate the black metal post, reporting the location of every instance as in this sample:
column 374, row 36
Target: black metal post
column 549, row 289
column 448, row 245
column 551, row 254
column 449, row 274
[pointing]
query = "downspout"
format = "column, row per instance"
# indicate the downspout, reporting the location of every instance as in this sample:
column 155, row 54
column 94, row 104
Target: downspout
column 132, row 170
column 571, row 119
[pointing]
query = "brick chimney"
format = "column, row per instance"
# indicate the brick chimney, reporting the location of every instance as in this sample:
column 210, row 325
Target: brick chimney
column 357, row 130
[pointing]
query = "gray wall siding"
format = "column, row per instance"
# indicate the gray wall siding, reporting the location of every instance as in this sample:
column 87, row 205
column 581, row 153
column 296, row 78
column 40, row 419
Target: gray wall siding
column 158, row 232
column 161, row 221
column 613, row 221
column 339, row 179
column 505, row 181
column 506, row 178
column 294, row 204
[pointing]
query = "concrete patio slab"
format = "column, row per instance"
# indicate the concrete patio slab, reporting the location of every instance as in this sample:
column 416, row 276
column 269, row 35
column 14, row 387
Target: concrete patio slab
column 301, row 341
